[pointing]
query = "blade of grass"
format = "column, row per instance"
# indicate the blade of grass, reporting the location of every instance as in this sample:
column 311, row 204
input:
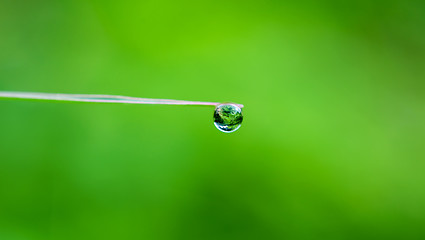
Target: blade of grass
column 98, row 98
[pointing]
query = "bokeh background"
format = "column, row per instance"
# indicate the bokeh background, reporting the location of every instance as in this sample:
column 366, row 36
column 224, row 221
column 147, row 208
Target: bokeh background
column 332, row 144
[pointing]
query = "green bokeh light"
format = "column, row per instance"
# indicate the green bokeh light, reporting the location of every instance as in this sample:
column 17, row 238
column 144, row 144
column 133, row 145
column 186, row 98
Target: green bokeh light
column 332, row 144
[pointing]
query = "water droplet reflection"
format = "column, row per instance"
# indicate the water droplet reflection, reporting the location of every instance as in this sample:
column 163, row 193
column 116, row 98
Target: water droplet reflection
column 228, row 117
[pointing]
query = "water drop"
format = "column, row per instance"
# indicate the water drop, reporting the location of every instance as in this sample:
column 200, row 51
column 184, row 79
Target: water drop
column 228, row 117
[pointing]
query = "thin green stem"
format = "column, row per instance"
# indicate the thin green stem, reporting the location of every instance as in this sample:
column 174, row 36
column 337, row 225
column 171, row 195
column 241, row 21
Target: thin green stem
column 97, row 98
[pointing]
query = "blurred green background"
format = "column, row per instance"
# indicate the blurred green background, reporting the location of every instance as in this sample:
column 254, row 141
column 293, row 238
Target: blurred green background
column 332, row 144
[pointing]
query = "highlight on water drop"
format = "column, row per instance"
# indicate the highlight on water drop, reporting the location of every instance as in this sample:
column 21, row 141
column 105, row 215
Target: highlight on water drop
column 228, row 117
